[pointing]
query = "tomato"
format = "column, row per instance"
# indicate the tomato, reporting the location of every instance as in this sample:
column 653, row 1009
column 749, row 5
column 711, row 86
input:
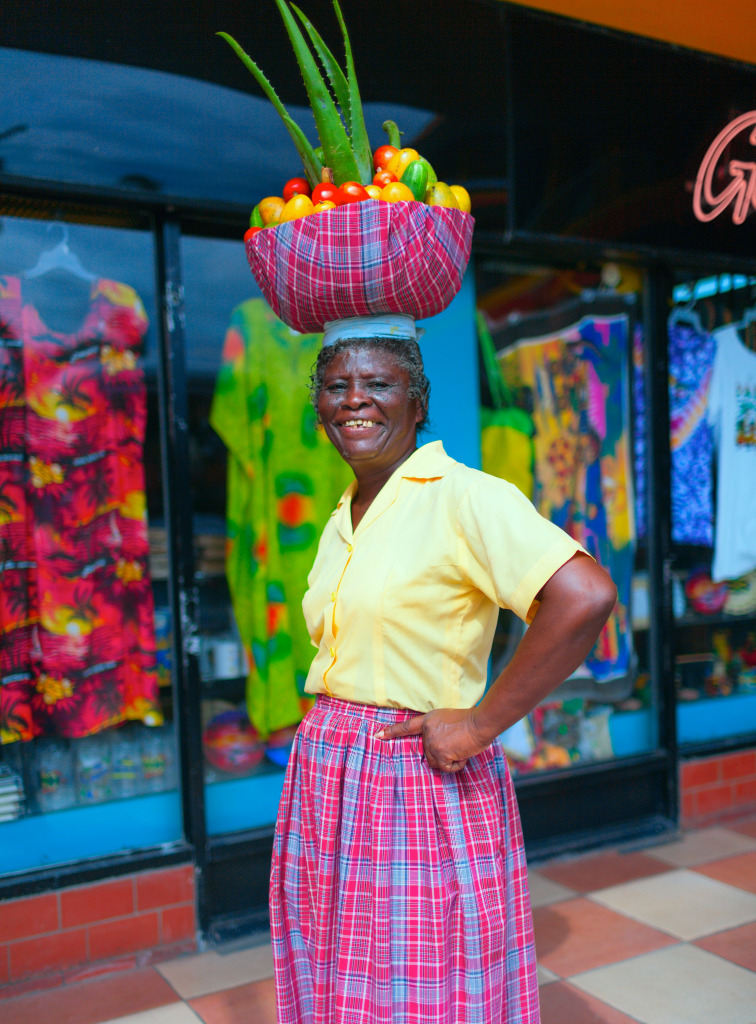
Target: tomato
column 382, row 156
column 383, row 178
column 251, row 232
column 351, row 192
column 296, row 187
column 298, row 206
column 270, row 208
column 395, row 192
column 325, row 191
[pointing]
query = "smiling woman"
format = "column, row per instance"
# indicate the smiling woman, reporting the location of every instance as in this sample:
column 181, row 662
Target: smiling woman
column 397, row 798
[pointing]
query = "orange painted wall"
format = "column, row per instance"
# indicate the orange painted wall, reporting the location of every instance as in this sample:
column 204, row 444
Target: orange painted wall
column 723, row 27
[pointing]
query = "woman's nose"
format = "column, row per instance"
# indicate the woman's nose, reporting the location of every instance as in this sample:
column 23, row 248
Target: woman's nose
column 355, row 396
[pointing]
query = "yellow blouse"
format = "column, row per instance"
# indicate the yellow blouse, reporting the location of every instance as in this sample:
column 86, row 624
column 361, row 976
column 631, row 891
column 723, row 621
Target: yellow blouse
column 403, row 609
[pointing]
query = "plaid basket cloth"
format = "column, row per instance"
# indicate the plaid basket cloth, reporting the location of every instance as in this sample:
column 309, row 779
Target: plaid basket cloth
column 362, row 258
column 398, row 894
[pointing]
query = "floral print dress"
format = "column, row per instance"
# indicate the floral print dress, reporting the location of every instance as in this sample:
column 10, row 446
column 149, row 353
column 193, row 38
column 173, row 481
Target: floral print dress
column 77, row 648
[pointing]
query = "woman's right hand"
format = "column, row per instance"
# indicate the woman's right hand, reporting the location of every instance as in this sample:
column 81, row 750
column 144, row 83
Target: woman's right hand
column 449, row 737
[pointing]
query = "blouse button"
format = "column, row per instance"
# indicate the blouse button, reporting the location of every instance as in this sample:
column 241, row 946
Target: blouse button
column 350, row 548
column 332, row 651
column 333, row 595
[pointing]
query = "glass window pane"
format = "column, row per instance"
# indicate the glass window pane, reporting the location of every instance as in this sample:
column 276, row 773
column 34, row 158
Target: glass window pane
column 712, row 394
column 264, row 480
column 559, row 417
column 85, row 696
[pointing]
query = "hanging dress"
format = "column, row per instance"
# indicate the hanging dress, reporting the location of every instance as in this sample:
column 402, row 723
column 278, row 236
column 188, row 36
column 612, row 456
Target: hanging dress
column 284, row 479
column 77, row 648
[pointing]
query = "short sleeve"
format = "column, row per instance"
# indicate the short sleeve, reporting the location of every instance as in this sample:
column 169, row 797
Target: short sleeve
column 507, row 549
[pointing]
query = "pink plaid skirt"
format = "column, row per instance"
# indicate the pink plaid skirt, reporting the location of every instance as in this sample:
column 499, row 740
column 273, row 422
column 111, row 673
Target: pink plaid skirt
column 398, row 894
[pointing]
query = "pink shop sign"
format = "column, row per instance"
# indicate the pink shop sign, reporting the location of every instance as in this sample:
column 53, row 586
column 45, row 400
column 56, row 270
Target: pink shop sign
column 710, row 199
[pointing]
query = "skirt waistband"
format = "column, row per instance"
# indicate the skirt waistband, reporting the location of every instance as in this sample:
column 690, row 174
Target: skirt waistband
column 335, row 705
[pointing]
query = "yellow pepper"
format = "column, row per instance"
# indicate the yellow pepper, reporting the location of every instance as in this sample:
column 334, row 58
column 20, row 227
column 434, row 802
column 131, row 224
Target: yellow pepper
column 398, row 164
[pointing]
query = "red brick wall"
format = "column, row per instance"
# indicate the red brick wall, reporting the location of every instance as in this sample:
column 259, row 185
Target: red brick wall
column 137, row 919
column 716, row 788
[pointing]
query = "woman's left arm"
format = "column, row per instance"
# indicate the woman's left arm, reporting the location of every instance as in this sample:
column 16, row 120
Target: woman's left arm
column 573, row 607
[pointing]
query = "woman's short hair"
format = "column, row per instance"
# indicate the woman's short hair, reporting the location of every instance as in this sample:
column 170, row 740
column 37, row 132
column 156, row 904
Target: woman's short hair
column 406, row 353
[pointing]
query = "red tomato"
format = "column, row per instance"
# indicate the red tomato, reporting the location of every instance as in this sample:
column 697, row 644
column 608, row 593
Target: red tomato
column 326, row 191
column 250, row 233
column 383, row 178
column 351, row 192
column 296, row 187
column 382, row 156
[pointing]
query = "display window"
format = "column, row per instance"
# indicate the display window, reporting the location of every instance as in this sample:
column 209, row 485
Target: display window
column 561, row 360
column 264, row 480
column 712, row 395
column 86, row 702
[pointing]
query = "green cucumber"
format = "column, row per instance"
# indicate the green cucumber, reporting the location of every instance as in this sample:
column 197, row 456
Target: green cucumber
column 415, row 177
column 255, row 220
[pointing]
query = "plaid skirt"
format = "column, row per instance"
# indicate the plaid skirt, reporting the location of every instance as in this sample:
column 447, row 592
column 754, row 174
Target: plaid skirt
column 398, row 894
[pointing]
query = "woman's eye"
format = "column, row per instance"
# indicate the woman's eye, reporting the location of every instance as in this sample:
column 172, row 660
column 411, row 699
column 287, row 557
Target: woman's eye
column 335, row 387
column 378, row 385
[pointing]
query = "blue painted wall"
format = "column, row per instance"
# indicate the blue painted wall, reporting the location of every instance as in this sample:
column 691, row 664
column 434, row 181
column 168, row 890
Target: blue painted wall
column 449, row 349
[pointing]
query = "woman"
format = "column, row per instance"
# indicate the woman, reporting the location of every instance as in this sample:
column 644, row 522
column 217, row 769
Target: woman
column 399, row 884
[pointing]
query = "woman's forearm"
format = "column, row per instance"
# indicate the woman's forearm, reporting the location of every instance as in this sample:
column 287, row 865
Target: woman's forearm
column 574, row 605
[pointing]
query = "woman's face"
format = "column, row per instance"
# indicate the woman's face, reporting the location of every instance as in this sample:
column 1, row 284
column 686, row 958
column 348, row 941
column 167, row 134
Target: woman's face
column 366, row 411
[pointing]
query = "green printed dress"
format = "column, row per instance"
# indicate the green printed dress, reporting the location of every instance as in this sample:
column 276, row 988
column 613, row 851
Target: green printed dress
column 284, row 479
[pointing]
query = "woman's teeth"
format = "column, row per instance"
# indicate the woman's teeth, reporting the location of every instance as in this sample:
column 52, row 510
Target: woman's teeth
column 359, row 423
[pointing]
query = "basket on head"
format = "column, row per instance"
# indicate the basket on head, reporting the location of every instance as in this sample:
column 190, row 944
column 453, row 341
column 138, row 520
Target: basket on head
column 361, row 259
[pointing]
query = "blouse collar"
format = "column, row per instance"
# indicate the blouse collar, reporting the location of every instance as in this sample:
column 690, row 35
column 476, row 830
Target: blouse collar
column 429, row 462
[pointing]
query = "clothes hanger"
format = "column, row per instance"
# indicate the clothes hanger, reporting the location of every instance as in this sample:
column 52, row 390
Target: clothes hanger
column 686, row 315
column 59, row 257
column 746, row 328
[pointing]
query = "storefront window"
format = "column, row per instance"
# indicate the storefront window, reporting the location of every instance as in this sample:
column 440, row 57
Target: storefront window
column 712, row 394
column 560, row 358
column 264, row 480
column 86, row 708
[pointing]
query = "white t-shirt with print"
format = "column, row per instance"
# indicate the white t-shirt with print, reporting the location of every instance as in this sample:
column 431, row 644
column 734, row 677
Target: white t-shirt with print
column 732, row 415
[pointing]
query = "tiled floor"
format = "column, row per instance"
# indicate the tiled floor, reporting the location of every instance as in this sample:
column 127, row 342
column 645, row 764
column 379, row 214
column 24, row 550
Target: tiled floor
column 663, row 936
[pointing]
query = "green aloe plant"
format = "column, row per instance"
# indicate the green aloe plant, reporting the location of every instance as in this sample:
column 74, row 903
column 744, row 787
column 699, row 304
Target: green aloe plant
column 335, row 103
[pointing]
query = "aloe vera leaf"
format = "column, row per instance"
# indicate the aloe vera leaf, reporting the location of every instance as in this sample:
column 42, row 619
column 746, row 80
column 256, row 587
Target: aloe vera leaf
column 310, row 161
column 333, row 136
column 329, row 62
column 360, row 141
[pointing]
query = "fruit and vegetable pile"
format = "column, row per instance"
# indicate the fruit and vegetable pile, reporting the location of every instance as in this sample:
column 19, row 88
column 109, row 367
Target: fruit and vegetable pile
column 400, row 175
column 343, row 169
